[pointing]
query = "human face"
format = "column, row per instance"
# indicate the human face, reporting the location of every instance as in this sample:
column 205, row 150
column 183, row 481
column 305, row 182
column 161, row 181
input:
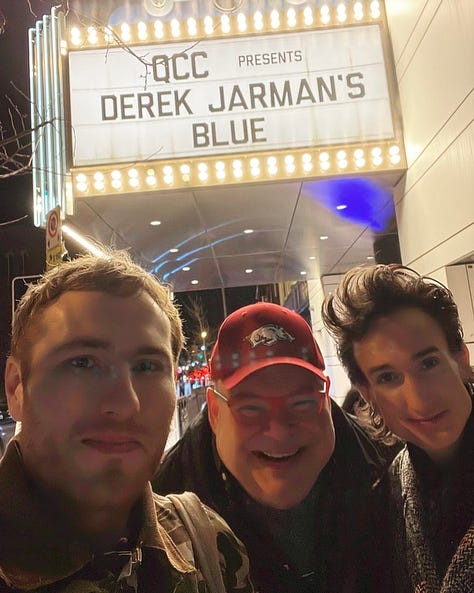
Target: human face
column 278, row 461
column 415, row 381
column 97, row 404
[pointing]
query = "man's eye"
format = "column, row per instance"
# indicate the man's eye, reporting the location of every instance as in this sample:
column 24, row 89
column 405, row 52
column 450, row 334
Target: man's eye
column 431, row 362
column 145, row 366
column 305, row 405
column 82, row 362
column 387, row 378
column 249, row 410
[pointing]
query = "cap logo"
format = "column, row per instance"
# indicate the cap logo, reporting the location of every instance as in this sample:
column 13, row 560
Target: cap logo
column 268, row 335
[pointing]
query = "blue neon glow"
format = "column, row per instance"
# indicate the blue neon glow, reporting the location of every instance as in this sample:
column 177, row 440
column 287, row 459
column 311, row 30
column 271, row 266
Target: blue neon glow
column 367, row 203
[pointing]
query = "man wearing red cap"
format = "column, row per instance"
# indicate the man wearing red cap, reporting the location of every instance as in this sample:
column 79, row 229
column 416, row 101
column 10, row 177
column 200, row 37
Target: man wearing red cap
column 283, row 464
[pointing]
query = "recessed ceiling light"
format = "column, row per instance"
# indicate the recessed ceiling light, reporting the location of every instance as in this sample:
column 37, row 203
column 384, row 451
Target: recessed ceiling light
column 312, row 257
column 323, row 237
column 248, row 271
column 248, row 231
column 155, row 222
column 174, row 250
column 186, row 269
column 341, row 207
column 303, row 272
column 194, row 281
column 370, row 257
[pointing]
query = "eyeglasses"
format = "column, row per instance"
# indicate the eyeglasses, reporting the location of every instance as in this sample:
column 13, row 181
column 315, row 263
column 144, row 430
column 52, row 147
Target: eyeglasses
column 250, row 410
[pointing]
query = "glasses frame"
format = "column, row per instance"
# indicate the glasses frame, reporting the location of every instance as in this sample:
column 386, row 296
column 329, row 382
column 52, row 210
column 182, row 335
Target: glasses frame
column 324, row 394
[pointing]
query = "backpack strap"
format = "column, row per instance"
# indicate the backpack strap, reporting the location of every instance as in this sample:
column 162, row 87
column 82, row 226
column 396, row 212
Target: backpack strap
column 203, row 537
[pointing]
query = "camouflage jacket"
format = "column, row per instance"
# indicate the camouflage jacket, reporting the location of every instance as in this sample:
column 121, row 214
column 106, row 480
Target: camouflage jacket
column 37, row 555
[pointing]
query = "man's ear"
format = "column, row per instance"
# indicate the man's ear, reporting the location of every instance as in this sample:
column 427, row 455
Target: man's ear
column 464, row 363
column 14, row 388
column 212, row 408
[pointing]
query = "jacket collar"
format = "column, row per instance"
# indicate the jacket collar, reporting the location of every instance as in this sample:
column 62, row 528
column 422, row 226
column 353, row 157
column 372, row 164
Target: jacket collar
column 37, row 549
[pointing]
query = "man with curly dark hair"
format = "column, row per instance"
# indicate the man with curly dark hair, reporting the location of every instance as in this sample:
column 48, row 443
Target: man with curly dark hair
column 399, row 337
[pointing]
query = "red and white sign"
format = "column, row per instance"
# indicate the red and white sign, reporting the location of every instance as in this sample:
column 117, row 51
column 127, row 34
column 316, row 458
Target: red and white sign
column 53, row 229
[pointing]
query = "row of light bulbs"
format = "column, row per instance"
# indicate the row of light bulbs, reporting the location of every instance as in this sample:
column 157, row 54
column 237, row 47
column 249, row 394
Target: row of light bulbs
column 235, row 24
column 172, row 175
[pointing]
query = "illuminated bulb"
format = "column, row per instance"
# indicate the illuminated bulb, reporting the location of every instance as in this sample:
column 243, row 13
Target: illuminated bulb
column 303, row 272
column 203, row 176
column 324, row 237
column 248, row 270
column 324, row 165
column 255, row 171
column 274, row 19
column 175, row 28
column 377, row 151
column 168, row 179
column 99, row 185
column 272, row 169
column 158, row 27
column 108, row 35
column 168, row 170
column 258, row 20
column 192, row 26
column 238, row 173
column 225, row 23
column 248, row 231
column 115, row 174
column 341, row 155
column 116, row 183
column 342, row 163
column 220, row 165
column 174, row 250
column 307, row 167
column 271, row 161
column 220, row 175
column 186, row 269
column 99, row 176
column 194, row 281
column 308, row 16
column 358, row 153
column 375, row 10
column 377, row 160
column 132, row 173
column 142, row 31
column 151, row 180
column 81, row 178
column 306, row 158
column 395, row 159
column 155, row 222
column 241, row 22
column 312, row 257
column 125, row 32
column 291, row 17
column 394, row 150
column 341, row 13
column 254, row 162
column 208, row 26
column 360, row 162
column 82, row 187
column 358, row 11
column 202, row 167
column 325, row 16
column 341, row 206
column 133, row 182
column 324, row 156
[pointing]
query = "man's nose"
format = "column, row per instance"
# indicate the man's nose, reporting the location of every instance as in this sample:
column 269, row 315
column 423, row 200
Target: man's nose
column 417, row 393
column 278, row 424
column 119, row 396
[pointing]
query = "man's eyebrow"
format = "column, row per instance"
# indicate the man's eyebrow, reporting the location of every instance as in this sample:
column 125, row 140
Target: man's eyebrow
column 416, row 356
column 81, row 342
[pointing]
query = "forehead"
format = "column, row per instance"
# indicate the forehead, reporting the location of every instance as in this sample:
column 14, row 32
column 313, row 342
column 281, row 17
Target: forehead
column 406, row 331
column 115, row 318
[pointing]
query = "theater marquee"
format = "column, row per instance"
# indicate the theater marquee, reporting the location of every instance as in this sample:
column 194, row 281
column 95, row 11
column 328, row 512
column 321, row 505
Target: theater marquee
column 163, row 105
column 262, row 93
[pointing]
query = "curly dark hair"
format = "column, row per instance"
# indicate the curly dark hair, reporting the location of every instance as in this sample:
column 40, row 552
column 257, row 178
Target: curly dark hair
column 367, row 293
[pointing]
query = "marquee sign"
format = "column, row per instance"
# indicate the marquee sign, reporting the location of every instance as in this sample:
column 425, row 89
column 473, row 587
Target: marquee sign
column 270, row 92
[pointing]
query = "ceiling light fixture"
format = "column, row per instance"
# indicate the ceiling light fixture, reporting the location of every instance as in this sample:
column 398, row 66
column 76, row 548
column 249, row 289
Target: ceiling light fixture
column 155, row 222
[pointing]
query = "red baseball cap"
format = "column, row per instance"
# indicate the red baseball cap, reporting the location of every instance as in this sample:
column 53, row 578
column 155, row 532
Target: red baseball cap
column 261, row 335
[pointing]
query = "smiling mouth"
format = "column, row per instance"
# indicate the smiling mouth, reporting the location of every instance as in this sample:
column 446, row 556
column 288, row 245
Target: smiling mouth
column 430, row 419
column 276, row 457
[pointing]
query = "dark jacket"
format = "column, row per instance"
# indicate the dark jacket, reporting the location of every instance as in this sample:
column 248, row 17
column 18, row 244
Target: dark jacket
column 347, row 539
